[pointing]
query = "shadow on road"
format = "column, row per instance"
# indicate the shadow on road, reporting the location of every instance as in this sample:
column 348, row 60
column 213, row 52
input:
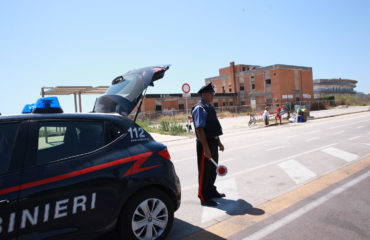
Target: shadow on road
column 182, row 230
column 238, row 207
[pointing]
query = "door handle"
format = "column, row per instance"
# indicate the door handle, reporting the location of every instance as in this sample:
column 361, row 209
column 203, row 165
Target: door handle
column 4, row 202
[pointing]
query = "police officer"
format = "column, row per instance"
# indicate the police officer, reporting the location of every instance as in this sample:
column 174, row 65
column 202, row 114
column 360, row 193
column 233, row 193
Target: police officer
column 208, row 130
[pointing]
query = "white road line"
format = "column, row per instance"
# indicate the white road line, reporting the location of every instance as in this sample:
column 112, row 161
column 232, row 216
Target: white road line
column 263, row 165
column 340, row 132
column 230, row 187
column 312, row 139
column 360, row 126
column 293, row 136
column 296, row 171
column 220, row 161
column 348, row 124
column 308, row 207
column 231, row 149
column 186, row 159
column 315, row 131
column 346, row 156
column 275, row 148
column 353, row 138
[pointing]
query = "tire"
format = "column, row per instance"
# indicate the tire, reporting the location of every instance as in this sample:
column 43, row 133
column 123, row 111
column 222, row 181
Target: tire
column 148, row 213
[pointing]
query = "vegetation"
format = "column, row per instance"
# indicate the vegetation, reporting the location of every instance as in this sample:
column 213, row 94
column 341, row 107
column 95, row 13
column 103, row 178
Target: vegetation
column 170, row 126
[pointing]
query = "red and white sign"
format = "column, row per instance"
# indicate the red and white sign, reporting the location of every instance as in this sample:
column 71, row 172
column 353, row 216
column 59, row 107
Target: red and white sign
column 186, row 88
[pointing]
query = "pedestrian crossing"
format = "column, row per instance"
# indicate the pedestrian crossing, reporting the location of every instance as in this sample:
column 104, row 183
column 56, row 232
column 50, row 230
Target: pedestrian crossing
column 296, row 171
column 346, row 156
column 292, row 168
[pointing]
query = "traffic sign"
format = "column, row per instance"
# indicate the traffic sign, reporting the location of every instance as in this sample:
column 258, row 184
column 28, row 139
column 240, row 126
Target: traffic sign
column 186, row 88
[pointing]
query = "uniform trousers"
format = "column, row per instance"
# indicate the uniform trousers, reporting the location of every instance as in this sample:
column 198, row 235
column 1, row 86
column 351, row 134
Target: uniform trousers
column 207, row 170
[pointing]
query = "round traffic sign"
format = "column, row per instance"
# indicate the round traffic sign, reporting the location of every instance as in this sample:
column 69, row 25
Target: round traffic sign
column 186, row 88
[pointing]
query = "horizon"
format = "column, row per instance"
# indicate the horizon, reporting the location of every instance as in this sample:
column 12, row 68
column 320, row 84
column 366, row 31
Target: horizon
column 89, row 43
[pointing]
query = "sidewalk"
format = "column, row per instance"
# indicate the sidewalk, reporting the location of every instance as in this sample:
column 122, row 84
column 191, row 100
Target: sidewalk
column 230, row 124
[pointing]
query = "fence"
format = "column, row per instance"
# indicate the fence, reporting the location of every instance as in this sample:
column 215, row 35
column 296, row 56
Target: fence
column 230, row 111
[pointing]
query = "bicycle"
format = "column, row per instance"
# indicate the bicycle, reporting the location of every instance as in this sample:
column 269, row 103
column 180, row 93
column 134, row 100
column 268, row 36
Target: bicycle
column 252, row 119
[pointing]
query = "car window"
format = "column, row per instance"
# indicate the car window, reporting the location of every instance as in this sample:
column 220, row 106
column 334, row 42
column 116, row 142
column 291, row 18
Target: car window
column 57, row 140
column 8, row 133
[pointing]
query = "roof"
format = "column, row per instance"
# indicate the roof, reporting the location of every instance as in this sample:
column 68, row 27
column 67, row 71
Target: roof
column 68, row 90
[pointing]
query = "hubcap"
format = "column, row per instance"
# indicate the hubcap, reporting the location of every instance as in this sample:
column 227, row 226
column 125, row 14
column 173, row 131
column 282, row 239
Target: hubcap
column 150, row 219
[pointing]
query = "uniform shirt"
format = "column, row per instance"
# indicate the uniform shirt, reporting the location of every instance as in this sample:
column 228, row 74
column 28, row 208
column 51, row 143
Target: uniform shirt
column 200, row 114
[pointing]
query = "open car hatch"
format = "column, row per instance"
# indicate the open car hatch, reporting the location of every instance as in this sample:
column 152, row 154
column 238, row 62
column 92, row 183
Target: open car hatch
column 126, row 90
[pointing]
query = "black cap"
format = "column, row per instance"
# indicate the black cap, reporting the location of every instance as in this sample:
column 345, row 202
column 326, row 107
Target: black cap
column 207, row 88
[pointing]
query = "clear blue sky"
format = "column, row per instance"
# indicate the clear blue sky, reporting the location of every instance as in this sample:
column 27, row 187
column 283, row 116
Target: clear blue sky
column 65, row 42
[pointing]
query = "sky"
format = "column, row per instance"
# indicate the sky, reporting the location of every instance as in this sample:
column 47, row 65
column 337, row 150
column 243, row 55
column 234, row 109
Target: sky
column 48, row 43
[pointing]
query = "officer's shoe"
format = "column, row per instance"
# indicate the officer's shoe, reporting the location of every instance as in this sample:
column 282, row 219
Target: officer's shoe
column 218, row 195
column 209, row 202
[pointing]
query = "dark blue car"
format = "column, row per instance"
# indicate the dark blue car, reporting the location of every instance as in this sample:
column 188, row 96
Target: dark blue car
column 78, row 176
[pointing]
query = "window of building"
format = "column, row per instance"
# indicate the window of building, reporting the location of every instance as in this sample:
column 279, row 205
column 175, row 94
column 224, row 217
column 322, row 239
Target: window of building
column 8, row 133
column 158, row 108
column 223, row 89
column 252, row 77
column 242, row 88
column 253, row 86
column 224, row 104
column 243, row 68
column 181, row 107
column 215, row 104
column 268, row 81
column 231, row 103
column 229, row 89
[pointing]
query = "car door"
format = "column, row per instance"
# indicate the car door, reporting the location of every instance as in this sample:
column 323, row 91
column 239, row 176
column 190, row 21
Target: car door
column 68, row 190
column 12, row 152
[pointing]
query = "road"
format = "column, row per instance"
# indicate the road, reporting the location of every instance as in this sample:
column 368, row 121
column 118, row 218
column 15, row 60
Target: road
column 265, row 163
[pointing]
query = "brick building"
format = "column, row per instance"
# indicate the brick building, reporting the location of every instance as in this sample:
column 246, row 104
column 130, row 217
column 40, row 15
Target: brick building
column 242, row 88
column 257, row 86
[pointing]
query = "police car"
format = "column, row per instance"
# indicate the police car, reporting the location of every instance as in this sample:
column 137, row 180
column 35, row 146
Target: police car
column 77, row 176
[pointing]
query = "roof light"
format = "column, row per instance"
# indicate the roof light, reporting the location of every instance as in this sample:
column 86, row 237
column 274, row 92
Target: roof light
column 47, row 105
column 28, row 108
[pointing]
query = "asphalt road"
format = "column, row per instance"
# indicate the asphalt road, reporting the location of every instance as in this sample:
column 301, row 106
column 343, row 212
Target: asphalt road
column 265, row 163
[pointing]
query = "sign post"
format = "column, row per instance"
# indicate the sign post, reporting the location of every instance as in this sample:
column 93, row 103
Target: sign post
column 186, row 90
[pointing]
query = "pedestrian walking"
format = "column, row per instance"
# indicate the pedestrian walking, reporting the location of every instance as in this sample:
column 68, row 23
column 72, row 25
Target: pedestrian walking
column 278, row 110
column 207, row 129
column 266, row 116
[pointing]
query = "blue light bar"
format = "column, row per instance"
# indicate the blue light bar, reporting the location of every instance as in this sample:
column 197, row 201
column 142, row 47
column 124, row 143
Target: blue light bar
column 28, row 108
column 47, row 105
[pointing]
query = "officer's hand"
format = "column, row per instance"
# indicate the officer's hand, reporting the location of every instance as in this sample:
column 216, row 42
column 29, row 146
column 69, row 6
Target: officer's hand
column 207, row 153
column 222, row 148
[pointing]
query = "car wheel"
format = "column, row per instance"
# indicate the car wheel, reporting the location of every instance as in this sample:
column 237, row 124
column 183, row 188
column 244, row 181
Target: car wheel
column 148, row 215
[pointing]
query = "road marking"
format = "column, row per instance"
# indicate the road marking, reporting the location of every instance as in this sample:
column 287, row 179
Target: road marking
column 360, row 126
column 340, row 132
column 264, row 165
column 300, row 212
column 312, row 139
column 293, row 136
column 231, row 226
column 185, row 159
column 212, row 213
column 296, row 171
column 226, row 160
column 349, row 124
column 353, row 138
column 346, row 156
column 275, row 148
column 231, row 149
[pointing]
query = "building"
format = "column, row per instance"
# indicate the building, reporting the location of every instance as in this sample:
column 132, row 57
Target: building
column 242, row 88
column 257, row 86
column 334, row 86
